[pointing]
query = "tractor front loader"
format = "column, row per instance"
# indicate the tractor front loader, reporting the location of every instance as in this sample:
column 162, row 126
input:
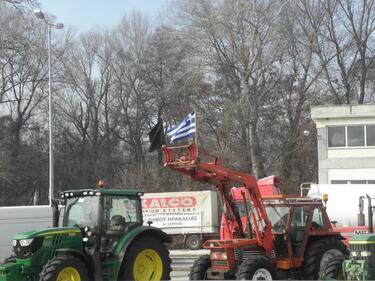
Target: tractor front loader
column 282, row 236
column 102, row 239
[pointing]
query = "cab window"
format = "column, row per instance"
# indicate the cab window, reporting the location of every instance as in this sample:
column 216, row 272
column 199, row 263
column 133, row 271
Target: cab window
column 298, row 228
column 317, row 220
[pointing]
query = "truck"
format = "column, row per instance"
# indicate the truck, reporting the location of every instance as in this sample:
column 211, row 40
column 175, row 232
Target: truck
column 189, row 218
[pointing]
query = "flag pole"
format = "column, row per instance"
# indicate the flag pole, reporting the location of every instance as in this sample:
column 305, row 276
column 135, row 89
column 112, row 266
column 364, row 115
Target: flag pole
column 196, row 133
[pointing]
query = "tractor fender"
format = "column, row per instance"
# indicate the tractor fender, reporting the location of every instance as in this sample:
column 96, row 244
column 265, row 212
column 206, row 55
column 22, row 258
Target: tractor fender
column 132, row 237
column 78, row 254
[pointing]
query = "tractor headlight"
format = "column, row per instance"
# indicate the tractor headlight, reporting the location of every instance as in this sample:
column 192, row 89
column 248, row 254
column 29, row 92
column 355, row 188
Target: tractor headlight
column 26, row 242
column 14, row 243
column 365, row 254
column 354, row 254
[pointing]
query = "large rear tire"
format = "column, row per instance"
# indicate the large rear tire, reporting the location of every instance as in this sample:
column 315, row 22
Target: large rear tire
column 256, row 269
column 147, row 260
column 332, row 270
column 199, row 269
column 64, row 268
column 318, row 254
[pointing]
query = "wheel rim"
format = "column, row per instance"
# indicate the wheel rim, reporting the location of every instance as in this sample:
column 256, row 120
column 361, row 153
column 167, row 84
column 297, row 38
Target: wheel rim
column 69, row 274
column 148, row 266
column 262, row 274
column 193, row 243
column 327, row 255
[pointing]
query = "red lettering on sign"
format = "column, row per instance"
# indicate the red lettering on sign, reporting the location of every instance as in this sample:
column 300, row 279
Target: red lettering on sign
column 169, row 202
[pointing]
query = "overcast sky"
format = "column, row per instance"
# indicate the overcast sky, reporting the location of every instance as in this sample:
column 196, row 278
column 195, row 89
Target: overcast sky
column 88, row 14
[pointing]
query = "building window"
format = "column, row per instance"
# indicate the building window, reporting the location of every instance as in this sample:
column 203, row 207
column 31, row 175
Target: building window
column 339, row 182
column 352, row 181
column 358, row 182
column 370, row 135
column 336, row 136
column 351, row 136
column 356, row 136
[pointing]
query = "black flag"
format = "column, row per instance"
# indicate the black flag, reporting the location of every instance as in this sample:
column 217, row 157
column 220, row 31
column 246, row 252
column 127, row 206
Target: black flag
column 156, row 135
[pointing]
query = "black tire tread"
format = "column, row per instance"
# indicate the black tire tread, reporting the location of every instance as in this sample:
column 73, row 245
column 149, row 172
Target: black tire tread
column 249, row 266
column 49, row 270
column 200, row 267
column 333, row 268
column 314, row 253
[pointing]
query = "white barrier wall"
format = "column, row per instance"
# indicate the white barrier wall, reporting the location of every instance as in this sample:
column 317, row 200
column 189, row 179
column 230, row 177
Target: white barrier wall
column 18, row 219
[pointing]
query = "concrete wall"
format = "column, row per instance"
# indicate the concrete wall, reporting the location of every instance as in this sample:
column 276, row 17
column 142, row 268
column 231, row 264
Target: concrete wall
column 19, row 219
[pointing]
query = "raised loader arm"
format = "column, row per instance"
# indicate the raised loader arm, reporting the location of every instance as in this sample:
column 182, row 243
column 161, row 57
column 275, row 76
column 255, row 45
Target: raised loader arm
column 184, row 159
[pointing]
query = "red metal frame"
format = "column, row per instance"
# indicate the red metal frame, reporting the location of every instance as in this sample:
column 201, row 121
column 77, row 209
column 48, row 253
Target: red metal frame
column 183, row 159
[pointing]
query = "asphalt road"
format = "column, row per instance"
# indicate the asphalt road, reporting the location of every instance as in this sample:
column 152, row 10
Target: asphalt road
column 182, row 260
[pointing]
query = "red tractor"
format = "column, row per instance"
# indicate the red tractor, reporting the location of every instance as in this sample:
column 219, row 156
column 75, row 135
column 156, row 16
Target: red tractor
column 281, row 236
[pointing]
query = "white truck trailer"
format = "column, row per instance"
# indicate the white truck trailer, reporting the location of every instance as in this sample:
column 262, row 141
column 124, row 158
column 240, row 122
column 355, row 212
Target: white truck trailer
column 189, row 217
column 18, row 219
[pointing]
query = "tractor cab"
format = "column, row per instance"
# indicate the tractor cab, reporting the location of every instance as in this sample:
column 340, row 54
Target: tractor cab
column 103, row 215
column 295, row 220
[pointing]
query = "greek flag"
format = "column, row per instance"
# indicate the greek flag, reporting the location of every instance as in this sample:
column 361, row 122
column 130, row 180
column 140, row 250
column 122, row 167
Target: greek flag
column 185, row 129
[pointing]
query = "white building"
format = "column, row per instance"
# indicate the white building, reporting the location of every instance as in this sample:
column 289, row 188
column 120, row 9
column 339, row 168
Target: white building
column 346, row 143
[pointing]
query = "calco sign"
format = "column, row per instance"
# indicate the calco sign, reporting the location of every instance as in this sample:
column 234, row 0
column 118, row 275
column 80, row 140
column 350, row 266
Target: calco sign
column 173, row 211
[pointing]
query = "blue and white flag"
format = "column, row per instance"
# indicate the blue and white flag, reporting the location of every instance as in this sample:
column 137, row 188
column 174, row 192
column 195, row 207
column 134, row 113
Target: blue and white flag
column 185, row 129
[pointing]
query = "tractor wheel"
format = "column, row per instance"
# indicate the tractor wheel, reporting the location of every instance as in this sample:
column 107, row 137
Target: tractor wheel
column 256, row 269
column 318, row 254
column 64, row 268
column 147, row 259
column 332, row 270
column 199, row 269
column 194, row 242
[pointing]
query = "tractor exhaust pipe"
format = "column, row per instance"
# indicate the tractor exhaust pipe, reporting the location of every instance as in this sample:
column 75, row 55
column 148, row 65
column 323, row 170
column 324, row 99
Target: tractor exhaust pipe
column 361, row 215
column 55, row 213
column 370, row 215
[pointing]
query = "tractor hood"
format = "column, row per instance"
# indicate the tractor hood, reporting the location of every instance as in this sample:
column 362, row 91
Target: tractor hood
column 70, row 231
column 362, row 239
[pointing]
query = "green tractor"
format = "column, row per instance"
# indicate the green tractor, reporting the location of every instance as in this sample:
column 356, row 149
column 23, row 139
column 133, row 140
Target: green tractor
column 102, row 238
column 361, row 263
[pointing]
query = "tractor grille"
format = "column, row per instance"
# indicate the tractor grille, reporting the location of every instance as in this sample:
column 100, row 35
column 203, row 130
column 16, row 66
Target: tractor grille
column 244, row 254
column 56, row 242
column 357, row 250
column 27, row 252
column 219, row 263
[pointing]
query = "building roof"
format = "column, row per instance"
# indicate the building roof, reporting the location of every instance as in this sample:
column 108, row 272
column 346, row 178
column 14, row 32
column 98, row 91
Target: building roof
column 342, row 111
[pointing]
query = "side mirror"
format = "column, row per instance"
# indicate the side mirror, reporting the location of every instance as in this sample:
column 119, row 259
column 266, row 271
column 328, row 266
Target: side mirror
column 149, row 223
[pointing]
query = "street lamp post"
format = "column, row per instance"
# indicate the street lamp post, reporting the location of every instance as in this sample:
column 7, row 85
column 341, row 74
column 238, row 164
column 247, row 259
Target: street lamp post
column 39, row 14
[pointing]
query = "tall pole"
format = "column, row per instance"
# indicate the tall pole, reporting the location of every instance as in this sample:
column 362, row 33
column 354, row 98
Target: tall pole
column 40, row 15
column 50, row 119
